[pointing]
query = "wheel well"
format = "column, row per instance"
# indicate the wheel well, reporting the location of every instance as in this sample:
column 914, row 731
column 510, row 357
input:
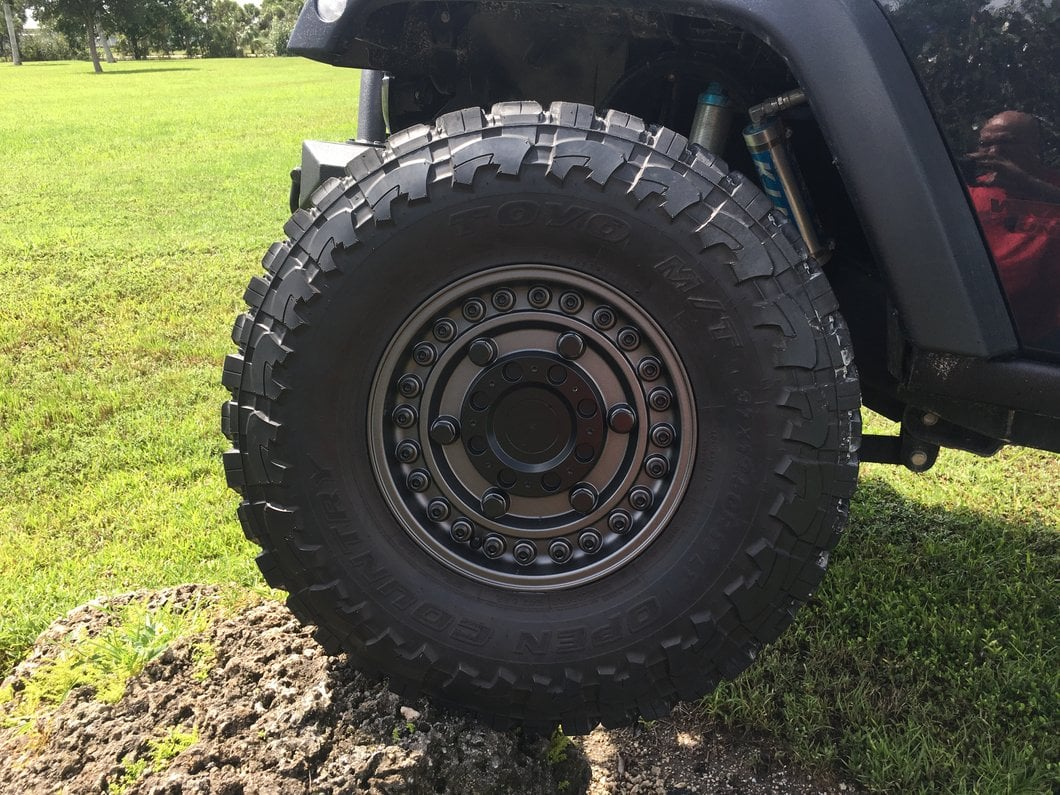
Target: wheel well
column 448, row 56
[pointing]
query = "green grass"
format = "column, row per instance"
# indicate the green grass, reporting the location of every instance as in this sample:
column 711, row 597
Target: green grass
column 137, row 204
column 928, row 661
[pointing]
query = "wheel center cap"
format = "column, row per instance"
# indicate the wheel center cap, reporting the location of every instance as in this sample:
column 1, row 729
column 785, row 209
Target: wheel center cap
column 533, row 423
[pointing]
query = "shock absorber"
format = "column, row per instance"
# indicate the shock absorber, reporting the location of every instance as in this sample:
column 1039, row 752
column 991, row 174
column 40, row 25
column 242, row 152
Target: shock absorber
column 710, row 126
column 767, row 140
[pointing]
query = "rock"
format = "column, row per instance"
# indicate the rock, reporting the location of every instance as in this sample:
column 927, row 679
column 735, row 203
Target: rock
column 274, row 714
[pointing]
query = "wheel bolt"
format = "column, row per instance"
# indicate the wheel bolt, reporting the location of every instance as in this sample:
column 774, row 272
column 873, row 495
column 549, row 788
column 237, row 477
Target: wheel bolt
column 619, row 522
column 641, row 498
column 662, row 435
column 504, row 299
column 462, row 530
column 445, row 430
column 474, row 309
column 424, row 354
column 550, row 481
column 628, row 338
column 404, row 416
column 649, row 368
column 660, row 399
column 524, row 552
column 438, row 510
column 418, row 480
column 583, row 498
column 409, row 386
column 494, row 504
column 407, row 452
column 444, row 330
column 571, row 303
column 560, row 550
column 604, row 317
column 621, row 418
column 539, row 297
column 589, row 541
column 656, row 466
column 482, row 351
column 570, row 345
column 493, row 546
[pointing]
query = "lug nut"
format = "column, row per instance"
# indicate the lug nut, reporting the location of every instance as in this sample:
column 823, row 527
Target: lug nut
column 660, row 399
column 407, row 452
column 424, row 354
column 445, row 430
column 438, row 510
column 640, row 498
column 656, row 466
column 474, row 309
column 504, row 299
column 409, row 386
column 571, row 303
column 493, row 546
column 418, row 480
column 621, row 418
column 570, row 345
column 604, row 318
column 583, row 498
column 589, row 541
column 662, row 435
column 539, row 297
column 462, row 530
column 560, row 550
column 404, row 416
column 524, row 553
column 444, row 330
column 619, row 522
column 649, row 368
column 628, row 338
column 494, row 504
column 482, row 351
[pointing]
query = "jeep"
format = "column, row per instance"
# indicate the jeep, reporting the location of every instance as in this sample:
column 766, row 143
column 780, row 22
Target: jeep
column 548, row 407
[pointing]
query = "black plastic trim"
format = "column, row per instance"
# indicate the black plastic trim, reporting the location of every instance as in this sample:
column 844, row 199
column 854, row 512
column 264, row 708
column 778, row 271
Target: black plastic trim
column 887, row 146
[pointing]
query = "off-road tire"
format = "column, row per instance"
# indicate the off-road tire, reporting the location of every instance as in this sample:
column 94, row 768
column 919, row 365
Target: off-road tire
column 762, row 404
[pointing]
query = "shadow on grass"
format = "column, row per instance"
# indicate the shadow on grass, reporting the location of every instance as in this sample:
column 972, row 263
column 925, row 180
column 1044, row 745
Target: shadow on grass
column 928, row 659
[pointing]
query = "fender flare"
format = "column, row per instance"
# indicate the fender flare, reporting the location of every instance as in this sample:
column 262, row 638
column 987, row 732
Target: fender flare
column 888, row 149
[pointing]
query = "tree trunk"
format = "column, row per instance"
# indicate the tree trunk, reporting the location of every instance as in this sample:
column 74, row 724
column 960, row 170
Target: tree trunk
column 16, row 59
column 91, row 26
column 106, row 48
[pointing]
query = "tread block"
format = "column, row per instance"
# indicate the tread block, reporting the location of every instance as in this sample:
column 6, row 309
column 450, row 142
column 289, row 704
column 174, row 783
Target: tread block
column 467, row 120
column 572, row 114
column 678, row 192
column 601, row 160
column 255, row 292
column 506, row 153
column 232, row 374
column 233, row 464
column 411, row 181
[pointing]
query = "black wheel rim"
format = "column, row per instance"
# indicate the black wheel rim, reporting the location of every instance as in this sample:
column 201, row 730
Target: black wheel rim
column 532, row 427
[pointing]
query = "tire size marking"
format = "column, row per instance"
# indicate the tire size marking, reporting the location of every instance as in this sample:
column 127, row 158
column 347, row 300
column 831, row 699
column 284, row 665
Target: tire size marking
column 523, row 212
column 683, row 278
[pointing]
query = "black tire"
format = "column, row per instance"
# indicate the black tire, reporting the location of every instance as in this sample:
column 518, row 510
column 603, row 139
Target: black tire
column 763, row 407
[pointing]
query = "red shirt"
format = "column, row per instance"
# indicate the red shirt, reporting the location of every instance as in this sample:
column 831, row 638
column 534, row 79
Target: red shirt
column 1024, row 237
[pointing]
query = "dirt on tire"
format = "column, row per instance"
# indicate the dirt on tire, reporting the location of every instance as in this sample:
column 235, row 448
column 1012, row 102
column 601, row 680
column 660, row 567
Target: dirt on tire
column 273, row 714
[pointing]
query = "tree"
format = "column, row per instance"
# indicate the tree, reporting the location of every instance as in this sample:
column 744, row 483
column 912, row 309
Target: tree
column 75, row 18
column 12, row 32
column 977, row 58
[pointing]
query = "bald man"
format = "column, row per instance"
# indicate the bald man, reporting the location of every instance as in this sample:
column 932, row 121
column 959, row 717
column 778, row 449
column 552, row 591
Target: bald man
column 1018, row 202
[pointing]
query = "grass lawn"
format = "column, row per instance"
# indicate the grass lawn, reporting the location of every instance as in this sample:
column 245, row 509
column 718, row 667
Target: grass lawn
column 137, row 204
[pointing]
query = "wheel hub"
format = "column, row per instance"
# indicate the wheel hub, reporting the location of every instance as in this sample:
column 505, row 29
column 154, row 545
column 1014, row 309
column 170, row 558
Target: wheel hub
column 533, row 423
column 532, row 427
